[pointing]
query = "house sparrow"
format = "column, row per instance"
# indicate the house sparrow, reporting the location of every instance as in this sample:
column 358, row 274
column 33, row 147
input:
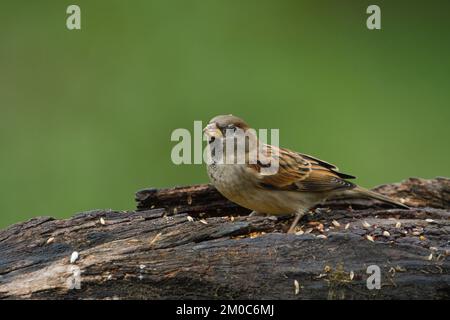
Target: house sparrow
column 299, row 182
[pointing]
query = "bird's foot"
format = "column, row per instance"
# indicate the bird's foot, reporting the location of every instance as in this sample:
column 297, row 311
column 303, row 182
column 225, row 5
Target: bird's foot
column 257, row 214
column 265, row 215
column 298, row 216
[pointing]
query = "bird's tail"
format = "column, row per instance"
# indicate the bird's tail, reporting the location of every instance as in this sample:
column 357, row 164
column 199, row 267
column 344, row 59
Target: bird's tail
column 360, row 191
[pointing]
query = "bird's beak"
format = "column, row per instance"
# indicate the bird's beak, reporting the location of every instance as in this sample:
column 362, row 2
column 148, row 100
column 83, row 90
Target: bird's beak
column 211, row 130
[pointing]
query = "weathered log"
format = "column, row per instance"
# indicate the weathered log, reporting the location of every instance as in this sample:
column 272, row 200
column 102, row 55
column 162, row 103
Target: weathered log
column 190, row 242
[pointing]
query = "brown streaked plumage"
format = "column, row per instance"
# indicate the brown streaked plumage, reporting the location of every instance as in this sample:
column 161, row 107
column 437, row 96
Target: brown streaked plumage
column 301, row 181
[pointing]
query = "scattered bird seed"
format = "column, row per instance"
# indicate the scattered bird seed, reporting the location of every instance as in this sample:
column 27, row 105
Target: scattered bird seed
column 336, row 224
column 74, row 256
column 232, row 218
column 322, row 236
column 352, row 275
column 433, row 248
column 155, row 238
column 308, row 230
column 102, row 221
column 386, row 234
column 297, row 287
column 203, row 221
column 190, row 219
column 50, row 240
column 398, row 225
column 327, row 269
column 142, row 266
column 299, row 233
column 370, row 238
column 347, row 226
column 429, row 220
column 366, row 225
column 254, row 235
column 400, row 269
column 430, row 257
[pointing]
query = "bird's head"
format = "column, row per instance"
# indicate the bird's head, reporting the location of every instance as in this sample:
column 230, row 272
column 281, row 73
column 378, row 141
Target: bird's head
column 231, row 131
column 224, row 126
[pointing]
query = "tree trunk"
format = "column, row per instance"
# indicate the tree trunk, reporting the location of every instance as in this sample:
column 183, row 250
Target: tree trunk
column 190, row 242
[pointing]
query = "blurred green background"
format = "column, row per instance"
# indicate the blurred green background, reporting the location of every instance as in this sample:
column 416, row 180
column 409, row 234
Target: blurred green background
column 86, row 116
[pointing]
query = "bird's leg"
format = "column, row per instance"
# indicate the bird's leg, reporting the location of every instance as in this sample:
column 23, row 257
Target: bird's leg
column 298, row 216
column 256, row 214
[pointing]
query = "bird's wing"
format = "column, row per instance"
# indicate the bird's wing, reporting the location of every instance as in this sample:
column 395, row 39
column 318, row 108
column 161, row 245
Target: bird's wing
column 300, row 172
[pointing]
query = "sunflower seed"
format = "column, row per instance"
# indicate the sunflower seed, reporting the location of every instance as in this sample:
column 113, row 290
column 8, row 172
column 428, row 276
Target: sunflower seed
column 102, row 221
column 366, row 225
column 190, row 219
column 347, row 226
column 370, row 238
column 299, row 233
column 352, row 275
column 74, row 256
column 50, row 240
column 336, row 224
column 386, row 234
column 322, row 236
column 297, row 287
column 398, row 225
column 203, row 221
column 430, row 257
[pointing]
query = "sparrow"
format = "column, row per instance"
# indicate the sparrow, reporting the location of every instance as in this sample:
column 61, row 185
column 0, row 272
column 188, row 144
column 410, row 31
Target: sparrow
column 298, row 183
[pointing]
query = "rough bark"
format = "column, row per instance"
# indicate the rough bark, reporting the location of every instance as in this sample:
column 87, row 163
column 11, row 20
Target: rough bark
column 190, row 242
